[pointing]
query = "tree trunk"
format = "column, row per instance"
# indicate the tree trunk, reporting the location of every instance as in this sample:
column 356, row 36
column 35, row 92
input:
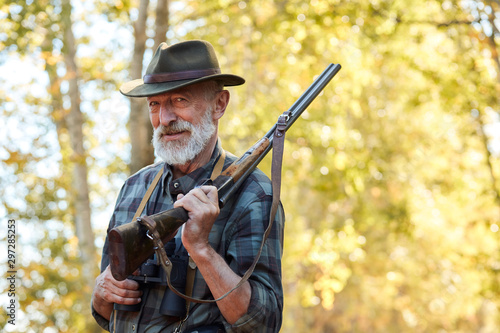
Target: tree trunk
column 140, row 129
column 491, row 38
column 74, row 121
column 162, row 22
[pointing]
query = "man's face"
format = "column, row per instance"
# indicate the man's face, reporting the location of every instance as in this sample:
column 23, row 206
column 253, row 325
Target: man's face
column 183, row 123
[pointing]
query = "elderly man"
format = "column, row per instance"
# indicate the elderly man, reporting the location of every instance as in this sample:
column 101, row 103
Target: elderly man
column 185, row 93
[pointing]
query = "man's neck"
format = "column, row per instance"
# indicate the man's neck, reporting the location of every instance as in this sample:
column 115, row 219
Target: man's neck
column 200, row 160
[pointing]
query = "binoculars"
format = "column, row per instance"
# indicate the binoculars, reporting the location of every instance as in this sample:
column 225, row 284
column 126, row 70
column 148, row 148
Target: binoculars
column 151, row 272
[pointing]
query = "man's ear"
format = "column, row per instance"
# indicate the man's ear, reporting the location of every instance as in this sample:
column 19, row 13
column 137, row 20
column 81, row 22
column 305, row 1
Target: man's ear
column 221, row 103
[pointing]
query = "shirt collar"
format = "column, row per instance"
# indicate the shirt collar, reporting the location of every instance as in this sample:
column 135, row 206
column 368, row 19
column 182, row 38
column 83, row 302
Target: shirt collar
column 187, row 182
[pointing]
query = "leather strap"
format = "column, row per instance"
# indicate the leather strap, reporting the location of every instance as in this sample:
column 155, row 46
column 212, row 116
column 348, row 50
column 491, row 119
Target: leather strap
column 190, row 282
column 148, row 194
column 190, row 277
column 277, row 160
column 218, row 167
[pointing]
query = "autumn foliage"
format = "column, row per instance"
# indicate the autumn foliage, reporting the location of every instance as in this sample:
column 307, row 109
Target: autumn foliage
column 390, row 180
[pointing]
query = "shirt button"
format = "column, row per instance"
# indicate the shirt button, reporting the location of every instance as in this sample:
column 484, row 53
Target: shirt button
column 133, row 327
column 176, row 185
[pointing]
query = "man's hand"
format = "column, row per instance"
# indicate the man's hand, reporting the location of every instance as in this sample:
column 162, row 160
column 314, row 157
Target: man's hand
column 107, row 291
column 203, row 209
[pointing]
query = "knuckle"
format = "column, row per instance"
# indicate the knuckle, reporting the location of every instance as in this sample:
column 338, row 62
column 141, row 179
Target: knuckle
column 196, row 191
column 123, row 292
column 127, row 294
column 106, row 295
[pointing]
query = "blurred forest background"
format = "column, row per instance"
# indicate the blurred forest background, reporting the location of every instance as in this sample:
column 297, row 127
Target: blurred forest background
column 391, row 179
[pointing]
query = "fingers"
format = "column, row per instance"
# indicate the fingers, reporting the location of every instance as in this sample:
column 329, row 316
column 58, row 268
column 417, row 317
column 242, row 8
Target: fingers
column 203, row 209
column 200, row 193
column 113, row 291
column 210, row 193
column 198, row 197
column 200, row 206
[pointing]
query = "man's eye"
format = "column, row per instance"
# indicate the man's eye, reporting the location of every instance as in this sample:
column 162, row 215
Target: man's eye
column 180, row 102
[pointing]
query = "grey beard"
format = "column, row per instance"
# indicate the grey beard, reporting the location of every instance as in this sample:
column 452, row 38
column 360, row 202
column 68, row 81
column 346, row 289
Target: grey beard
column 185, row 150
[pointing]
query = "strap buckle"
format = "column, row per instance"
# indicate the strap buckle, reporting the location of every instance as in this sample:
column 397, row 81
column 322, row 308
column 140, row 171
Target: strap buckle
column 281, row 124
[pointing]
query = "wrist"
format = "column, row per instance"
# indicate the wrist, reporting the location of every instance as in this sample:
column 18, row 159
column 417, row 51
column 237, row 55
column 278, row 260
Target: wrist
column 202, row 253
column 102, row 307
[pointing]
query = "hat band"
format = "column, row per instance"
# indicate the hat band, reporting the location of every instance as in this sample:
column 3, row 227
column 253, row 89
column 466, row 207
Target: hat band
column 184, row 75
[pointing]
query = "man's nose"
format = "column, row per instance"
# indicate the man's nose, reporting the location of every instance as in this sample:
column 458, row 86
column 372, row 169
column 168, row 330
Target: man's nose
column 167, row 115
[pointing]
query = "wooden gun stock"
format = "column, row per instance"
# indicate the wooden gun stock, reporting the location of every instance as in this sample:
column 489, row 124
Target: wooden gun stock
column 130, row 244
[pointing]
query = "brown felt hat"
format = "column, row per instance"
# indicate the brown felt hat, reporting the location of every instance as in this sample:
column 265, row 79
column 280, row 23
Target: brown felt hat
column 177, row 66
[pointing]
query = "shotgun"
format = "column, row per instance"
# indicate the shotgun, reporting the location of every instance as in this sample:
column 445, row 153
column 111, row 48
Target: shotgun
column 130, row 244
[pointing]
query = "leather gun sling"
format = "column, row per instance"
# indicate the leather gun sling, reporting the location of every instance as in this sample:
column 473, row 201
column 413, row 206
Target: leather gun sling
column 277, row 160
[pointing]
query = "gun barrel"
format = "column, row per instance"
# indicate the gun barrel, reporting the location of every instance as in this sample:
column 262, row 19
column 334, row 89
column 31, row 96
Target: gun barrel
column 295, row 110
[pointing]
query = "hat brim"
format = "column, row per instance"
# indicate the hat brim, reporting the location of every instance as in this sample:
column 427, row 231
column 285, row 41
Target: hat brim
column 137, row 88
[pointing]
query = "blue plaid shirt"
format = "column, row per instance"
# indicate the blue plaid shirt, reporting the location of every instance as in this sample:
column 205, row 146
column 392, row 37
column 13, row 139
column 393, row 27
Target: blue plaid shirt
column 236, row 236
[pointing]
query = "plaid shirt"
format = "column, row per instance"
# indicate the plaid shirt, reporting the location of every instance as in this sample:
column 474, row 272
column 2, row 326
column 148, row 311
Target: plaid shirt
column 236, row 235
